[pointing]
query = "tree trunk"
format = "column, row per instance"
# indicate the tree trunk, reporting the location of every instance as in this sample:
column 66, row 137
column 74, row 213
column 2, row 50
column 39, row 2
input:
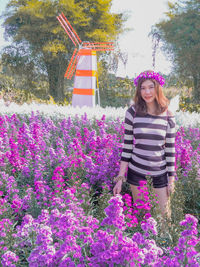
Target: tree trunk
column 55, row 71
column 196, row 91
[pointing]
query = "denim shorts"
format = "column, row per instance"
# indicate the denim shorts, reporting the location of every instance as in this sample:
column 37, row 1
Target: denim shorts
column 159, row 181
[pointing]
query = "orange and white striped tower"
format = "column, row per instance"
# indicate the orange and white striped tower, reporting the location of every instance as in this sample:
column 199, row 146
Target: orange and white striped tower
column 85, row 81
column 84, row 62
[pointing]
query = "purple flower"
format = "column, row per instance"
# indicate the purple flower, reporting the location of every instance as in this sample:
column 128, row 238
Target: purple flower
column 190, row 222
column 41, row 256
column 9, row 258
column 114, row 213
column 149, row 226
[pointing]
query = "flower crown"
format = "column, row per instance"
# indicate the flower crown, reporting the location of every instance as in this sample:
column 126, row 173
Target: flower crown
column 150, row 75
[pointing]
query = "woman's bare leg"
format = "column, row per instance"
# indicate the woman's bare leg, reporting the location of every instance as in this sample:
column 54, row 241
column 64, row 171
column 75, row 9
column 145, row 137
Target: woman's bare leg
column 164, row 208
column 137, row 196
column 163, row 201
column 135, row 193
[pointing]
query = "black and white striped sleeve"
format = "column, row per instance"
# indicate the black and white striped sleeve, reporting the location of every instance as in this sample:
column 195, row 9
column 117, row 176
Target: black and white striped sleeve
column 170, row 146
column 128, row 135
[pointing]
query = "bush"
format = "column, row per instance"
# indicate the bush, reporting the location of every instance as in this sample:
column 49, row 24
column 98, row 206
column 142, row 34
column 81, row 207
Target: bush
column 188, row 104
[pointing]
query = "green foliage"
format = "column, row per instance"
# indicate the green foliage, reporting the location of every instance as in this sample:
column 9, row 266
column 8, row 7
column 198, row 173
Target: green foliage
column 99, row 201
column 114, row 91
column 171, row 92
column 186, row 198
column 19, row 63
column 40, row 42
column 187, row 104
column 181, row 35
column 174, row 86
column 177, row 203
column 191, row 191
column 174, row 80
column 12, row 89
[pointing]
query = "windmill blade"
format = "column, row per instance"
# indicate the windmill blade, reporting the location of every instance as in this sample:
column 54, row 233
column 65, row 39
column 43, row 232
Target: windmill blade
column 94, row 43
column 104, row 49
column 71, row 29
column 73, row 67
column 68, row 30
column 73, row 70
column 71, row 63
column 86, row 44
column 62, row 24
column 99, row 48
column 100, row 45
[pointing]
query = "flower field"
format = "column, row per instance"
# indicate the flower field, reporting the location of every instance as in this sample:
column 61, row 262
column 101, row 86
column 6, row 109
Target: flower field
column 56, row 202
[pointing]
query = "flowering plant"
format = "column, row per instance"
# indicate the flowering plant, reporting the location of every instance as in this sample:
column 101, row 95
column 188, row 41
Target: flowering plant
column 150, row 75
column 54, row 196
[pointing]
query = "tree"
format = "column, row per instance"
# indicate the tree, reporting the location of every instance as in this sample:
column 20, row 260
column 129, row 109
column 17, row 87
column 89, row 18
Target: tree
column 180, row 34
column 19, row 63
column 32, row 24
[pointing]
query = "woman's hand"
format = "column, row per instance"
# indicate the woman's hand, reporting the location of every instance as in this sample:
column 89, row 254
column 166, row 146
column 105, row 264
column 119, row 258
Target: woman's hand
column 171, row 186
column 117, row 188
column 120, row 178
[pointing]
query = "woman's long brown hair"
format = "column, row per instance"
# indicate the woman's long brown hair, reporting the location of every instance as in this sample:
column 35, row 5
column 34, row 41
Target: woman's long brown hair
column 161, row 101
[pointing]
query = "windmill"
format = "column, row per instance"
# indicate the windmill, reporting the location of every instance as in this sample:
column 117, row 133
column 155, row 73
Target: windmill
column 84, row 63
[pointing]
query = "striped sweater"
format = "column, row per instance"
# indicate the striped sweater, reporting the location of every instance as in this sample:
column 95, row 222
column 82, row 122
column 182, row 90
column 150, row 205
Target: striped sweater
column 149, row 143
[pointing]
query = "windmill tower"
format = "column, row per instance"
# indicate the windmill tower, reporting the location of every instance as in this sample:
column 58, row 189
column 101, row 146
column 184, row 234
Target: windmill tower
column 84, row 63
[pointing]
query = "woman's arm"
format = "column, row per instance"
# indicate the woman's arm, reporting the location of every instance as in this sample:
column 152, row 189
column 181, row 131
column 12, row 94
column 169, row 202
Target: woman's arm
column 120, row 177
column 170, row 145
column 170, row 152
column 128, row 136
column 123, row 168
column 126, row 150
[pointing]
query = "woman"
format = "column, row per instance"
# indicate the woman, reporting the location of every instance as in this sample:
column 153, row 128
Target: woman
column 149, row 141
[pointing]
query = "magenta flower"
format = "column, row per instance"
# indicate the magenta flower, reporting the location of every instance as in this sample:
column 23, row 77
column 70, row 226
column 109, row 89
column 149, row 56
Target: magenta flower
column 9, row 258
column 114, row 213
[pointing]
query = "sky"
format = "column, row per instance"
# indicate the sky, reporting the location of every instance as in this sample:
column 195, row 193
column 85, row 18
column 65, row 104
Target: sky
column 143, row 14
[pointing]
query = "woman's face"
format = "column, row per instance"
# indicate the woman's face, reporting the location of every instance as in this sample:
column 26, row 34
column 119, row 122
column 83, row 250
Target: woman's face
column 148, row 92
